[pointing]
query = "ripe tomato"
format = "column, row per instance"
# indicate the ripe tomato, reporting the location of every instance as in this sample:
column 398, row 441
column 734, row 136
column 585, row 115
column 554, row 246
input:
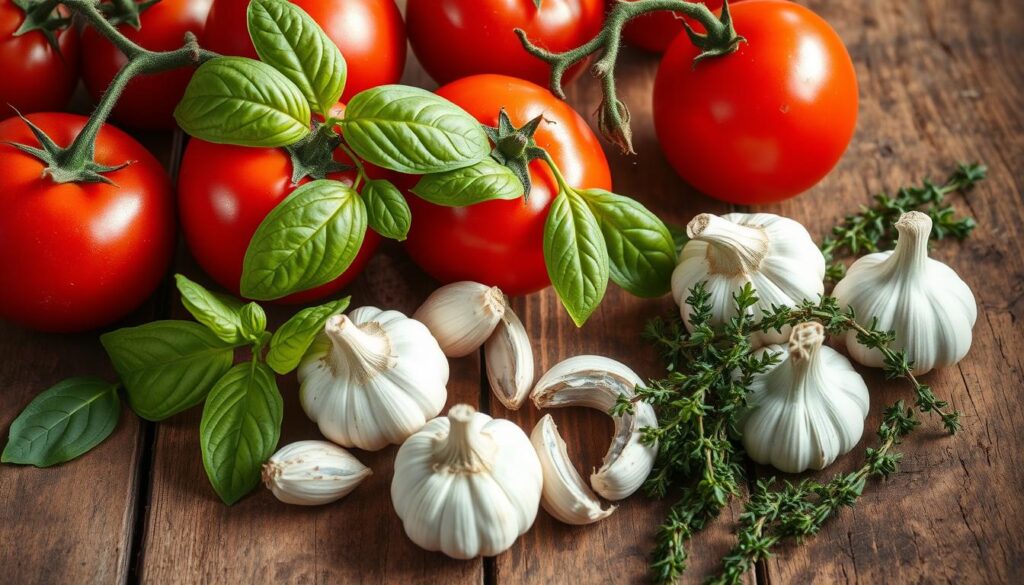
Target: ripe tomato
column 370, row 34
column 655, row 31
column 225, row 191
column 34, row 76
column 456, row 38
column 764, row 123
column 501, row 243
column 149, row 100
column 76, row 256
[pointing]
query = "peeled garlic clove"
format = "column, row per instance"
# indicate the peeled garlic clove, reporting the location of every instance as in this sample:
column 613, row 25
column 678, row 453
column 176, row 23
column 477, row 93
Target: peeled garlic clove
column 311, row 473
column 597, row 382
column 462, row 315
column 509, row 358
column 564, row 496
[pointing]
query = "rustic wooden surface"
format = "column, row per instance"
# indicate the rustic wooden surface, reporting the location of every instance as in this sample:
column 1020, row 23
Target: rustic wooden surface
column 941, row 81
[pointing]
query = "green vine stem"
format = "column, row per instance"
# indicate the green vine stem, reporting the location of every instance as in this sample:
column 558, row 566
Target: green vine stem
column 613, row 115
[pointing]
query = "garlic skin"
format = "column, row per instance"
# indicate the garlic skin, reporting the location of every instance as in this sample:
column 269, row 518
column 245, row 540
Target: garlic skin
column 509, row 357
column 924, row 301
column 462, row 315
column 565, row 496
column 467, row 484
column 808, row 409
column 311, row 473
column 597, row 382
column 774, row 254
column 373, row 378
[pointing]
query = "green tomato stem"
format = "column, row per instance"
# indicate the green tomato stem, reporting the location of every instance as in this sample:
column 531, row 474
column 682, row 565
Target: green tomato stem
column 361, row 175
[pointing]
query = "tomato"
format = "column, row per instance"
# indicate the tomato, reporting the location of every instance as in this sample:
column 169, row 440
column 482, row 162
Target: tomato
column 457, row 38
column 501, row 243
column 370, row 34
column 76, row 256
column 33, row 76
column 655, row 31
column 149, row 100
column 764, row 123
column 225, row 191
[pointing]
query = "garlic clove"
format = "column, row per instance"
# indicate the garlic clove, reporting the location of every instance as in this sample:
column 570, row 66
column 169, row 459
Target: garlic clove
column 564, row 496
column 509, row 358
column 462, row 315
column 311, row 473
column 597, row 382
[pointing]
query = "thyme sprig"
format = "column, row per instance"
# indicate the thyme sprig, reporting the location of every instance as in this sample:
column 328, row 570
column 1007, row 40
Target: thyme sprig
column 871, row 229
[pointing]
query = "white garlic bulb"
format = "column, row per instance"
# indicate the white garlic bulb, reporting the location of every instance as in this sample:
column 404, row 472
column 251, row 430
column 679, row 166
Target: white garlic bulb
column 774, row 254
column 597, row 382
column 924, row 301
column 462, row 315
column 806, row 410
column 509, row 357
column 374, row 377
column 565, row 496
column 310, row 473
column 467, row 484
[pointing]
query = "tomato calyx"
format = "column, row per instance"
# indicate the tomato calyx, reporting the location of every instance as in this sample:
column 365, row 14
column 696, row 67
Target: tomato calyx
column 125, row 11
column 718, row 41
column 60, row 162
column 43, row 17
column 515, row 147
column 313, row 155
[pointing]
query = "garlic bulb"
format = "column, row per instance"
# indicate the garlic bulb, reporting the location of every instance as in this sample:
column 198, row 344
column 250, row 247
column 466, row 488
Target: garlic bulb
column 466, row 484
column 565, row 496
column 310, row 473
column 597, row 382
column 462, row 315
column 774, row 254
column 375, row 377
column 509, row 358
column 806, row 410
column 929, row 307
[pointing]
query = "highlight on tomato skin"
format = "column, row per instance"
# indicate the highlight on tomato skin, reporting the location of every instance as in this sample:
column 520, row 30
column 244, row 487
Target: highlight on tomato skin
column 35, row 76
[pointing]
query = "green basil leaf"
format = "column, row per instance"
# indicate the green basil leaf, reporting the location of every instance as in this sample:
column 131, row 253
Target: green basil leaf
column 219, row 312
column 308, row 240
column 411, row 130
column 286, row 38
column 387, row 211
column 576, row 256
column 240, row 428
column 640, row 247
column 233, row 100
column 63, row 423
column 482, row 181
column 291, row 341
column 167, row 366
column 254, row 321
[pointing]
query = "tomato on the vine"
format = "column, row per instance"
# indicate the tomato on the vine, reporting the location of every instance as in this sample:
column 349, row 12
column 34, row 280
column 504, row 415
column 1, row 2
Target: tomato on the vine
column 457, row 38
column 766, row 122
column 655, row 31
column 369, row 33
column 75, row 256
column 148, row 101
column 500, row 242
column 36, row 77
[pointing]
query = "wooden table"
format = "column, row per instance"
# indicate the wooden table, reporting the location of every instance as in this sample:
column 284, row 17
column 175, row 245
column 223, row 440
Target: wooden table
column 940, row 82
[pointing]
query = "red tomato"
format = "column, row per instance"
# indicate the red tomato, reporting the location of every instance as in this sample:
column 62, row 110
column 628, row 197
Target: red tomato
column 76, row 256
column 33, row 76
column 225, row 191
column 149, row 100
column 370, row 34
column 655, row 31
column 764, row 123
column 501, row 243
column 457, row 38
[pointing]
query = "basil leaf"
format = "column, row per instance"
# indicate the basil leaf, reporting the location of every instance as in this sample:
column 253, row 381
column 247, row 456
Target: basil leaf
column 576, row 256
column 233, row 100
column 240, row 428
column 411, row 130
column 387, row 211
column 640, row 247
column 254, row 322
column 286, row 38
column 482, row 181
column 167, row 366
column 219, row 312
column 679, row 237
column 63, row 423
column 291, row 341
column 308, row 240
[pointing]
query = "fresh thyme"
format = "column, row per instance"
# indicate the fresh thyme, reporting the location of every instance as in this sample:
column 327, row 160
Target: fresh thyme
column 871, row 229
